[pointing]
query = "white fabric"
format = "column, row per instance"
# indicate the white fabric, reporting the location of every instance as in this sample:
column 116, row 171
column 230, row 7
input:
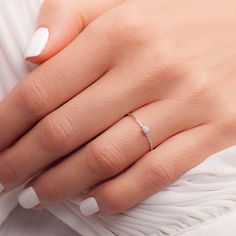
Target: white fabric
column 198, row 198
column 23, row 222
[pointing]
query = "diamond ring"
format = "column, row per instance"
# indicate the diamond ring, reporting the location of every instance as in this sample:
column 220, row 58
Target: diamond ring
column 145, row 130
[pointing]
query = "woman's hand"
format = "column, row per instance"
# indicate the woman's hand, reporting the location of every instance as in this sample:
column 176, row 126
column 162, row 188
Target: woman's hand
column 171, row 63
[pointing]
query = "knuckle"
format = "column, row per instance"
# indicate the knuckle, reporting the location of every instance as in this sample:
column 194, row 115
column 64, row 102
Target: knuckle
column 196, row 91
column 170, row 71
column 56, row 133
column 9, row 172
column 115, row 198
column 104, row 158
column 52, row 190
column 31, row 99
column 128, row 29
column 159, row 175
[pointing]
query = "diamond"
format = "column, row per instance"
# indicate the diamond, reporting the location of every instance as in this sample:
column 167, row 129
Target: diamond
column 146, row 130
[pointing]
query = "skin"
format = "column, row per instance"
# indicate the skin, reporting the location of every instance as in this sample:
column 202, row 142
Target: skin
column 171, row 63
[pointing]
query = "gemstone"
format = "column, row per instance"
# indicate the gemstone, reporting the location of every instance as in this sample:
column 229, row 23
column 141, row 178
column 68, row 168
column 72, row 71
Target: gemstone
column 146, row 130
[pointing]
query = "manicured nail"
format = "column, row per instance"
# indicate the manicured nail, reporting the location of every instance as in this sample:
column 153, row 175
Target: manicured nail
column 89, row 206
column 28, row 198
column 37, row 43
column 1, row 187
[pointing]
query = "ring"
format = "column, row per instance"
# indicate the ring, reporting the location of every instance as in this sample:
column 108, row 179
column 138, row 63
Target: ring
column 145, row 130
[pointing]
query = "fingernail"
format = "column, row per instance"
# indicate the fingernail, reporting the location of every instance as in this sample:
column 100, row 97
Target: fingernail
column 89, row 206
column 28, row 198
column 37, row 43
column 1, row 187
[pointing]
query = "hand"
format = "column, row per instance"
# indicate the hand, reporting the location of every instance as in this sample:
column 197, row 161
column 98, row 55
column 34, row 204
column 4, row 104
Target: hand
column 171, row 63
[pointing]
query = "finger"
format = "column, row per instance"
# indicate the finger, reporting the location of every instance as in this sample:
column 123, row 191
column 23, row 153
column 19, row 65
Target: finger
column 71, row 16
column 108, row 155
column 70, row 126
column 54, row 83
column 153, row 172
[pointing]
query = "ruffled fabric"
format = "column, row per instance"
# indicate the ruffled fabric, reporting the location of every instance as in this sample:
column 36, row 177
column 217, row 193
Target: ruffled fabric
column 205, row 193
column 201, row 195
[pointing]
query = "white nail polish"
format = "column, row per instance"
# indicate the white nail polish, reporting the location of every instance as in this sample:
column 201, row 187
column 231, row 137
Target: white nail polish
column 1, row 187
column 28, row 198
column 37, row 43
column 89, row 206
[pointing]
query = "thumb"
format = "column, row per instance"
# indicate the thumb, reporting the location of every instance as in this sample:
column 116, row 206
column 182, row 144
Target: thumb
column 60, row 22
